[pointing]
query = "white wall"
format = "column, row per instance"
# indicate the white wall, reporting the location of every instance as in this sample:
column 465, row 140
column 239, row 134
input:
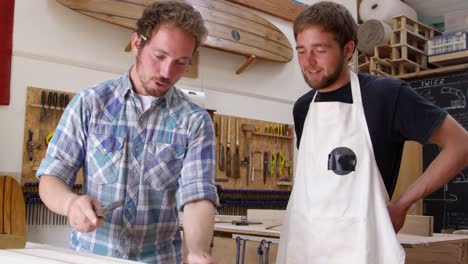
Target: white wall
column 57, row 48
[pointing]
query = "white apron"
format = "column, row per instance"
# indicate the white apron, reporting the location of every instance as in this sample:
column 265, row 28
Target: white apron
column 337, row 212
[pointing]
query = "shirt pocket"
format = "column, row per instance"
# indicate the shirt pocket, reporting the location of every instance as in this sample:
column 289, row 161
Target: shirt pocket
column 163, row 165
column 104, row 158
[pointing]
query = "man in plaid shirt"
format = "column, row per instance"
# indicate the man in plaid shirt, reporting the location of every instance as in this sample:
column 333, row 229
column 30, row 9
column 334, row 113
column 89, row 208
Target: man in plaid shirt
column 140, row 141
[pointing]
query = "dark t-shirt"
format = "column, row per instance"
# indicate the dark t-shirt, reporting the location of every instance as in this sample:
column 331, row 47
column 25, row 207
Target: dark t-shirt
column 394, row 113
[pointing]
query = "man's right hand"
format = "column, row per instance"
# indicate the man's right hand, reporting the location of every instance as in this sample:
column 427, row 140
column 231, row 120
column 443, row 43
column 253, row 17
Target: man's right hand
column 82, row 214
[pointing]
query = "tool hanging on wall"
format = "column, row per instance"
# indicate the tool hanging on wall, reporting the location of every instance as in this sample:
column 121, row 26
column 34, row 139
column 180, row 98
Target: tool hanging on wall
column 221, row 162
column 49, row 106
column 248, row 130
column 228, row 149
column 265, row 166
column 43, row 101
column 235, row 160
column 55, row 103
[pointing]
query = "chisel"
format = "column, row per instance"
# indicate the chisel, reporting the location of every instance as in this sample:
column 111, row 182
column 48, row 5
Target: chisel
column 236, row 160
column 221, row 148
column 43, row 101
column 228, row 149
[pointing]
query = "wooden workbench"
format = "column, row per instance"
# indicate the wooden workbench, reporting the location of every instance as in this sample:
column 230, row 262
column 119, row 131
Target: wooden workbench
column 436, row 249
column 44, row 254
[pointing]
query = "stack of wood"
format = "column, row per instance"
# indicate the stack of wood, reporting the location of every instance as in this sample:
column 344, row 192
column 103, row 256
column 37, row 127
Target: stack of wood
column 406, row 53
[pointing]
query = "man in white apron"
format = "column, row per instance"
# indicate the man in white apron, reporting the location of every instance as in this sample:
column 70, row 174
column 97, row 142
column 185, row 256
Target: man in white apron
column 339, row 209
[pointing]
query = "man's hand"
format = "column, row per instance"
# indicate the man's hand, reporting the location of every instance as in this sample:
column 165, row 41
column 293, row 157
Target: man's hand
column 200, row 259
column 82, row 214
column 397, row 215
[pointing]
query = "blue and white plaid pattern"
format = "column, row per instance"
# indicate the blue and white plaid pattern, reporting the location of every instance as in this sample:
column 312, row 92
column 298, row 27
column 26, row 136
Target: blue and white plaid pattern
column 156, row 161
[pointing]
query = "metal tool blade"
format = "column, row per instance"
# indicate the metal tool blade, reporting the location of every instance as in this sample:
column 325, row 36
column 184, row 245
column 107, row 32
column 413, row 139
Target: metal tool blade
column 105, row 210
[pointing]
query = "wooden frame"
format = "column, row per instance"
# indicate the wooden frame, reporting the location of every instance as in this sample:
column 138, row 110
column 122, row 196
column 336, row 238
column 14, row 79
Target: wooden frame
column 7, row 9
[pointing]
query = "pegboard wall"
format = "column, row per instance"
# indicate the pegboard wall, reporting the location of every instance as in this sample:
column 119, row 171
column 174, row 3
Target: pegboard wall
column 267, row 166
column 44, row 107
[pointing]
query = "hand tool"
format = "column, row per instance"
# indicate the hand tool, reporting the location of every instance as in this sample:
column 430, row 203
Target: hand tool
column 282, row 159
column 245, row 222
column 66, row 100
column 107, row 209
column 49, row 106
column 273, row 163
column 61, row 104
column 43, row 101
column 248, row 130
column 221, row 148
column 236, row 161
column 277, row 169
column 268, row 170
column 55, row 103
column 30, row 145
column 265, row 165
column 246, row 162
column 228, row 149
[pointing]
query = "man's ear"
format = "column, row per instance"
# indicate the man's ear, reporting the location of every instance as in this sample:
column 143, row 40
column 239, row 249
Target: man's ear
column 135, row 43
column 349, row 49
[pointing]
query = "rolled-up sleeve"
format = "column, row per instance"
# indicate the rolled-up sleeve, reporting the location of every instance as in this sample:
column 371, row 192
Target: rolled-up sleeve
column 198, row 172
column 67, row 149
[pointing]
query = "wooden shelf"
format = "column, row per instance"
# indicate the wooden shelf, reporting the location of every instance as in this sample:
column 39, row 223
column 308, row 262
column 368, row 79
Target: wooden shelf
column 450, row 58
column 46, row 107
column 284, row 183
column 272, row 135
column 435, row 71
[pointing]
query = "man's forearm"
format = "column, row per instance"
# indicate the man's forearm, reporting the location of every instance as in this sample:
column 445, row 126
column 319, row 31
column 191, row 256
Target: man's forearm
column 452, row 159
column 55, row 194
column 198, row 221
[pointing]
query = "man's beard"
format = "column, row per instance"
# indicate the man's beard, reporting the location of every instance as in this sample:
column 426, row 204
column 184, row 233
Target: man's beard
column 147, row 82
column 326, row 81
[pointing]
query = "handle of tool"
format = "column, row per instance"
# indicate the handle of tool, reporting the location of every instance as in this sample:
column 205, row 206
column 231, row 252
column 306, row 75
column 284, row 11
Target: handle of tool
column 237, row 134
column 228, row 142
column 221, row 130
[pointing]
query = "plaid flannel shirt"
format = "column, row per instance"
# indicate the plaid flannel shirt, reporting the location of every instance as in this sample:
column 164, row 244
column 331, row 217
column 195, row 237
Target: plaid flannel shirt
column 156, row 161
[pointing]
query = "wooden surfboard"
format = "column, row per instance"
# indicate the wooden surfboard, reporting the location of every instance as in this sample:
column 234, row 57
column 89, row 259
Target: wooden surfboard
column 285, row 9
column 12, row 214
column 230, row 27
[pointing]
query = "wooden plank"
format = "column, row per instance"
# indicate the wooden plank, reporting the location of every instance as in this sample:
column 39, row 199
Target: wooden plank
column 420, row 225
column 450, row 58
column 18, row 215
column 410, row 170
column 9, row 241
column 265, row 215
column 435, row 71
column 7, row 206
column 2, row 191
column 413, row 241
column 285, row 9
column 13, row 233
column 231, row 28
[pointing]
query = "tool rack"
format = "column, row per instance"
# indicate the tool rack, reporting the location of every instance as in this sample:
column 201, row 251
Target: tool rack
column 44, row 108
column 256, row 180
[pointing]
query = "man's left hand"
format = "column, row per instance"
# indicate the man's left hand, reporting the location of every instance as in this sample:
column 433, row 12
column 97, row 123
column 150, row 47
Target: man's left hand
column 397, row 215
